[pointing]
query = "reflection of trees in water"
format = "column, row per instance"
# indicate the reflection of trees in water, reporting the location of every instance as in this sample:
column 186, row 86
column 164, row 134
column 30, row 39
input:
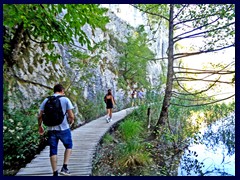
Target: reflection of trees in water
column 190, row 164
column 193, row 166
column 220, row 135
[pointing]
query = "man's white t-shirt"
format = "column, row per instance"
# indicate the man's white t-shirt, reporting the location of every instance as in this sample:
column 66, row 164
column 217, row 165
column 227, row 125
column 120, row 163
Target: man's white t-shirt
column 66, row 105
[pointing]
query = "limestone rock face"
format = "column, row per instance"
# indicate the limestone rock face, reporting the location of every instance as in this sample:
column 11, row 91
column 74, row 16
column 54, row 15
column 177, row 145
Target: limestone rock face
column 34, row 77
column 122, row 16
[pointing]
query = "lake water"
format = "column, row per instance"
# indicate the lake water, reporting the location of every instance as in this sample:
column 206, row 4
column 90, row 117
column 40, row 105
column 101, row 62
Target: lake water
column 213, row 154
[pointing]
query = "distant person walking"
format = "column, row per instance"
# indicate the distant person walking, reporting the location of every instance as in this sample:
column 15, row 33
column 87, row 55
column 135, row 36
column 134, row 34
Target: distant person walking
column 140, row 96
column 110, row 102
column 58, row 132
column 134, row 97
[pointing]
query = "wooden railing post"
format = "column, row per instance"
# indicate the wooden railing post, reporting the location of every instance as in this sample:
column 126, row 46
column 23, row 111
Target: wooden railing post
column 149, row 117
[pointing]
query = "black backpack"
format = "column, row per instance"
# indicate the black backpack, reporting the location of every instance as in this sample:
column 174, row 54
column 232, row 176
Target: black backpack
column 53, row 113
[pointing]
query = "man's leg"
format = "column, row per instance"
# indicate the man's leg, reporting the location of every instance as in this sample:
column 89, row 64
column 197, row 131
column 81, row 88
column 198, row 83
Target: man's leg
column 64, row 170
column 53, row 160
column 67, row 155
column 53, row 142
column 66, row 139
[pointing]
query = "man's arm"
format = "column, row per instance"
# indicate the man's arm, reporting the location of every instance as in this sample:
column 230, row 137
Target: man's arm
column 70, row 116
column 40, row 128
column 40, row 118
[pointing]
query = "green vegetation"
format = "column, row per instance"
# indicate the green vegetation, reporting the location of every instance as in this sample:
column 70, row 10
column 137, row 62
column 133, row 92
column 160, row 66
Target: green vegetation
column 21, row 141
column 213, row 25
column 91, row 109
column 132, row 155
column 135, row 55
column 52, row 23
column 42, row 26
column 181, row 115
column 131, row 152
column 107, row 138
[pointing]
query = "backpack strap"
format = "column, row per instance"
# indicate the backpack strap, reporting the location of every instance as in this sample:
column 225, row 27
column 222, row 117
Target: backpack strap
column 55, row 96
column 49, row 97
column 59, row 96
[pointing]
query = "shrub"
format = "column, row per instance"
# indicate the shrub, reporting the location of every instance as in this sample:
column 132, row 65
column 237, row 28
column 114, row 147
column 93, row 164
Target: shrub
column 107, row 138
column 132, row 154
column 130, row 129
column 92, row 109
column 20, row 137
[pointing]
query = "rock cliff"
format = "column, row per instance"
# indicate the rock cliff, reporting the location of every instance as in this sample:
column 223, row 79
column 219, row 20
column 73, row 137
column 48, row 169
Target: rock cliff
column 32, row 77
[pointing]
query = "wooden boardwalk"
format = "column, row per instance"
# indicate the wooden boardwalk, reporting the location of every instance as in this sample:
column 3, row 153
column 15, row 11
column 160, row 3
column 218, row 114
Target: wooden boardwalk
column 85, row 141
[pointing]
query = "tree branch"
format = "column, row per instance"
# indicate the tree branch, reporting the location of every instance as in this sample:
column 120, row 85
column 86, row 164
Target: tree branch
column 199, row 92
column 182, row 55
column 207, row 72
column 221, row 72
column 202, row 69
column 203, row 32
column 198, row 98
column 184, row 6
column 195, row 79
column 182, row 105
column 151, row 13
column 204, row 17
column 187, row 99
column 157, row 59
column 39, row 42
column 176, row 37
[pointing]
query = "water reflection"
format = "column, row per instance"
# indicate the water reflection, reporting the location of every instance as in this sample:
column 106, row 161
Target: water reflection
column 213, row 152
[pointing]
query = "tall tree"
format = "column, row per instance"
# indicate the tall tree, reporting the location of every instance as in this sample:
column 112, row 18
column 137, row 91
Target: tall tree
column 134, row 58
column 213, row 22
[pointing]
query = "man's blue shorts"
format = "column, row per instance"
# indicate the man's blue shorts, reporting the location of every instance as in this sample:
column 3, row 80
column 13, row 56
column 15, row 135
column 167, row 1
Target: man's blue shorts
column 53, row 138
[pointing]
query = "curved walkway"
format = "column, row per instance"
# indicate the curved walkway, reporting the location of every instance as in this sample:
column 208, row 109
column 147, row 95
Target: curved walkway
column 85, row 141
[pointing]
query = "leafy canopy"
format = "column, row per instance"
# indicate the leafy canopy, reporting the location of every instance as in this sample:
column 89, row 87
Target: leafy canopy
column 134, row 60
column 50, row 23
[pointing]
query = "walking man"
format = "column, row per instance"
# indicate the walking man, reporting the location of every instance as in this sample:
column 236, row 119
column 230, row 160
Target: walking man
column 140, row 96
column 60, row 132
column 134, row 97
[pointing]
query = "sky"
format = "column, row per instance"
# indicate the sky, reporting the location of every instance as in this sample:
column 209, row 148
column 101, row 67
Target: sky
column 127, row 13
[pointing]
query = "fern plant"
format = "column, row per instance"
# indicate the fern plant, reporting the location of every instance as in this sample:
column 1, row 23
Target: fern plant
column 132, row 154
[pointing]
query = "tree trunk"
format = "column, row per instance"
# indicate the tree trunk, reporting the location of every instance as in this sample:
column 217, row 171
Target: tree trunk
column 11, row 58
column 168, row 91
